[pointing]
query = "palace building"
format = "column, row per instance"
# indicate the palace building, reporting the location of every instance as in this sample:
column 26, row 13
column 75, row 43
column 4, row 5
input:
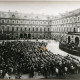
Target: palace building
column 14, row 25
column 64, row 23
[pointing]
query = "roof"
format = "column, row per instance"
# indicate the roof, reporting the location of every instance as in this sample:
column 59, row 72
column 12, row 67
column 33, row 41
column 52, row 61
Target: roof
column 74, row 33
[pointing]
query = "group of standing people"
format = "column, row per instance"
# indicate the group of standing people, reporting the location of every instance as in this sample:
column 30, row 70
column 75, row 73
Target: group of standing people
column 27, row 57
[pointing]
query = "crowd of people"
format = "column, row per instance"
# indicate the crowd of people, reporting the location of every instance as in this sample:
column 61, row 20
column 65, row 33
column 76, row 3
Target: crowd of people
column 27, row 57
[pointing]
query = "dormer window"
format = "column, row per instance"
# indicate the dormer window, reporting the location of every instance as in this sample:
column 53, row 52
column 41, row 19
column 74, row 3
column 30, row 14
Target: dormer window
column 25, row 16
column 13, row 16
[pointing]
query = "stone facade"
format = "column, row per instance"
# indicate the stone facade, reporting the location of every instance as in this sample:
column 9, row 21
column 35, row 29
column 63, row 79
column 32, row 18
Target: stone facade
column 14, row 25
column 66, row 22
column 73, row 38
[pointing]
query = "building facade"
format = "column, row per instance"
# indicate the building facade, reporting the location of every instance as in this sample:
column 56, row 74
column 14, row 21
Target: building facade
column 14, row 25
column 64, row 23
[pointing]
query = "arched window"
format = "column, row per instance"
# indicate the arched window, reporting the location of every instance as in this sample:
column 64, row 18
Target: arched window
column 7, row 21
column 25, row 16
column 17, row 21
column 7, row 28
column 12, row 28
column 13, row 21
column 33, row 28
column 2, row 21
column 77, row 40
column 48, row 29
column 21, row 28
column 21, row 21
column 17, row 28
column 40, row 29
column 78, row 18
column 13, row 16
column 25, row 36
column 21, row 35
column 25, row 29
column 36, row 29
column 29, row 29
column 29, row 36
column 44, row 29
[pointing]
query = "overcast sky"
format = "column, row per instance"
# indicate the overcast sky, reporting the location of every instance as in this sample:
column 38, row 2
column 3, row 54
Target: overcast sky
column 47, row 8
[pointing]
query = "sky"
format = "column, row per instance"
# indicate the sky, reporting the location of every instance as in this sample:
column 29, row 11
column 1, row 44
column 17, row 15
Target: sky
column 44, row 7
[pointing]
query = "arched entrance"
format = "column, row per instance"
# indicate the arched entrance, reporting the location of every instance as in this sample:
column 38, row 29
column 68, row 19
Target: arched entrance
column 29, row 36
column 69, row 39
column 21, row 35
column 8, row 37
column 77, row 40
column 25, row 36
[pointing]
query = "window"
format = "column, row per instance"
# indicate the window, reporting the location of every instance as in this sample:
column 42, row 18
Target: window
column 40, row 29
column 7, row 28
column 13, row 22
column 53, row 29
column 74, row 19
column 7, row 21
column 41, row 22
column 13, row 16
column 78, row 18
column 12, row 28
column 3, row 28
column 21, row 21
column 21, row 28
column 17, row 28
column 33, row 28
column 44, row 22
column 2, row 21
column 17, row 21
column 25, row 16
column 36, row 29
column 48, row 29
column 29, row 29
column 66, row 20
column 25, row 29
column 44, row 29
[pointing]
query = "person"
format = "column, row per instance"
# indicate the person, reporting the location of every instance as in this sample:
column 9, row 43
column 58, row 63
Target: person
column 17, row 76
column 7, row 76
column 27, row 57
column 57, row 71
column 72, row 69
column 66, row 70
column 31, row 73
column 1, row 73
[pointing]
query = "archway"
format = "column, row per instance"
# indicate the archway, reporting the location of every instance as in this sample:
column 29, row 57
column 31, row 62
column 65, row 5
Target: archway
column 77, row 40
column 69, row 39
column 29, row 36
column 8, row 37
column 25, row 36
column 21, row 35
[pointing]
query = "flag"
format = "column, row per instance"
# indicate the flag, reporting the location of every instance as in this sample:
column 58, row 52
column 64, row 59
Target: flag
column 43, row 48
